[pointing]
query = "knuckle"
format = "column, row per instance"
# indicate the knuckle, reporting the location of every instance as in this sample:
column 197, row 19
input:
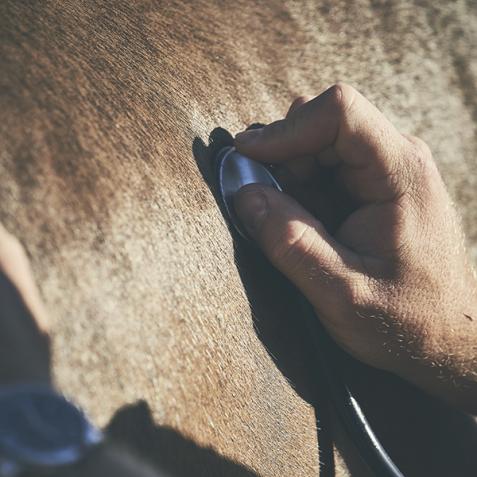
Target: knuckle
column 292, row 246
column 420, row 168
column 300, row 253
column 423, row 165
column 422, row 150
column 297, row 102
column 278, row 128
column 358, row 293
column 342, row 96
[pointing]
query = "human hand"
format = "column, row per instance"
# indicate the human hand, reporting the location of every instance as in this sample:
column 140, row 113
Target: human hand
column 387, row 273
column 25, row 353
column 24, row 341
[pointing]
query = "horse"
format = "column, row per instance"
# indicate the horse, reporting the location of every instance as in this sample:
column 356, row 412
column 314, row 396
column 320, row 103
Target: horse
column 177, row 338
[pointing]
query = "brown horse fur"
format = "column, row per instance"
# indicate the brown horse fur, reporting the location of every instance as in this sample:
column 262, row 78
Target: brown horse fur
column 105, row 176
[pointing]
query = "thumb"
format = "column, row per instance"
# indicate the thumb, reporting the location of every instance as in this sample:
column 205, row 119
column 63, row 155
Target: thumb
column 297, row 244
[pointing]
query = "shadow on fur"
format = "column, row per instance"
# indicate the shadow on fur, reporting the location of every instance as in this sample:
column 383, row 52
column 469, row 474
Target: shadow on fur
column 272, row 302
column 166, row 449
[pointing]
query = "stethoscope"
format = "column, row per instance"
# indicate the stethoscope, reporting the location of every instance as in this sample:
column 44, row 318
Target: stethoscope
column 233, row 172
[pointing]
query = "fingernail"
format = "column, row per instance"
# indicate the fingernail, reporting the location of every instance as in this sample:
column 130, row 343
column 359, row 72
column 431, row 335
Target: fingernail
column 251, row 207
column 246, row 137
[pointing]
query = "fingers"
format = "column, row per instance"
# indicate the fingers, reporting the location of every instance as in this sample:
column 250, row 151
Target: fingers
column 300, row 101
column 366, row 143
column 420, row 145
column 14, row 264
column 296, row 243
column 300, row 167
column 24, row 342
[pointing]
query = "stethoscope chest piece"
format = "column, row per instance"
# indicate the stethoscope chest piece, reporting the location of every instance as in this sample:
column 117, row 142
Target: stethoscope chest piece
column 235, row 171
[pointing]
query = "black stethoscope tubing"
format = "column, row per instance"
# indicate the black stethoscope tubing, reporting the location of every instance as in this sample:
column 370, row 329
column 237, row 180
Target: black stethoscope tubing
column 345, row 404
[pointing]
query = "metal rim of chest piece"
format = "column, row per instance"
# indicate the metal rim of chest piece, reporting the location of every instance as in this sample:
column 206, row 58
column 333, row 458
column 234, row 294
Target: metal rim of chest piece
column 235, row 171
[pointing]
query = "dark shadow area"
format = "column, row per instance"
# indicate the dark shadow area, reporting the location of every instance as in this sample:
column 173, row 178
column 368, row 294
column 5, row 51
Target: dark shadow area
column 134, row 427
column 423, row 435
column 269, row 293
column 272, row 301
column 25, row 353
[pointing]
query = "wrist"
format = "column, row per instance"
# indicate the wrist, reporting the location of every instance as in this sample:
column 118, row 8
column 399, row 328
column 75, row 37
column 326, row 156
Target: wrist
column 446, row 365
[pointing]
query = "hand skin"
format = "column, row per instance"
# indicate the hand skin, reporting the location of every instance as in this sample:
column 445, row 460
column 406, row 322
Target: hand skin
column 24, row 341
column 387, row 274
column 25, row 354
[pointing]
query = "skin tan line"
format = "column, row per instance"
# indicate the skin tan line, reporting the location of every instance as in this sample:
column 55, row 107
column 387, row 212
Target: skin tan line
column 180, row 341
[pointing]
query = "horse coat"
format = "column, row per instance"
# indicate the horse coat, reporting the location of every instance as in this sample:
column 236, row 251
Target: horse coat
column 168, row 332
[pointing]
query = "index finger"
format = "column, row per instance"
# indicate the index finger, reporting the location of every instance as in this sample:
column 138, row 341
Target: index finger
column 367, row 144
